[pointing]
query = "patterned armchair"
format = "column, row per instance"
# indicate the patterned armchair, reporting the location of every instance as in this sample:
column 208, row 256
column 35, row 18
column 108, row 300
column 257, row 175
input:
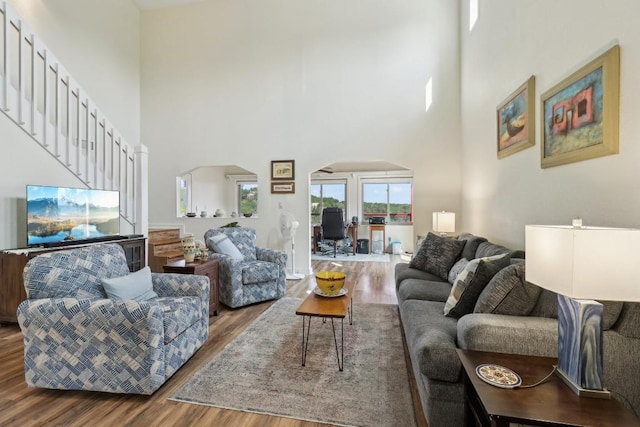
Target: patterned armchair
column 75, row 338
column 260, row 276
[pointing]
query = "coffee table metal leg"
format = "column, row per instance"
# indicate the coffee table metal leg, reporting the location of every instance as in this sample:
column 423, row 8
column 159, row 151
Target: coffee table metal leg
column 305, row 342
column 339, row 355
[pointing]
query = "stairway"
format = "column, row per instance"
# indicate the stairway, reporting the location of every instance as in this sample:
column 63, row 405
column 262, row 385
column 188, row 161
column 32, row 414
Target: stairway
column 40, row 96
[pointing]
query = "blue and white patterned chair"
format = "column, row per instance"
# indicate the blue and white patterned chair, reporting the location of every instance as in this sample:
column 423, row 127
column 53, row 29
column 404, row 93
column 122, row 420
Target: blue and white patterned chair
column 75, row 338
column 260, row 276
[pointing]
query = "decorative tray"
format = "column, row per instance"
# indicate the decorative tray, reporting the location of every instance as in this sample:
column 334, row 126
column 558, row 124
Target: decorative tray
column 498, row 376
column 317, row 291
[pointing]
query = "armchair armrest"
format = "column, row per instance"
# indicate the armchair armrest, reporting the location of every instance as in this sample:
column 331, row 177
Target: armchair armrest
column 91, row 339
column 535, row 336
column 179, row 285
column 271, row 255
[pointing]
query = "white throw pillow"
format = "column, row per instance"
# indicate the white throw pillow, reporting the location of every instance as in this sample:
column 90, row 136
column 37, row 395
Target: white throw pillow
column 223, row 245
column 136, row 286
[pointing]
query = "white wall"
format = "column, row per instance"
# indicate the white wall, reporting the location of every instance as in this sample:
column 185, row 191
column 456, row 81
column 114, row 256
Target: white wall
column 98, row 43
column 510, row 42
column 315, row 81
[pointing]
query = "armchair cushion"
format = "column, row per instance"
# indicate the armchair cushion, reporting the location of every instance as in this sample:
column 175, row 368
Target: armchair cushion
column 259, row 271
column 136, row 286
column 221, row 244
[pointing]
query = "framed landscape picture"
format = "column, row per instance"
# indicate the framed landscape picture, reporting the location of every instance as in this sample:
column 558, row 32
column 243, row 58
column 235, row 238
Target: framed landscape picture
column 580, row 114
column 283, row 169
column 515, row 119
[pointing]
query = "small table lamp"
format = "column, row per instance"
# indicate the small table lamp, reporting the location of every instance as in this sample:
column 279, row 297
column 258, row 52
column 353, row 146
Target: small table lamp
column 582, row 264
column 444, row 222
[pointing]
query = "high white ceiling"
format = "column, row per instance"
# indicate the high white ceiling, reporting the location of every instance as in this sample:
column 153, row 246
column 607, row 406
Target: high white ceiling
column 157, row 4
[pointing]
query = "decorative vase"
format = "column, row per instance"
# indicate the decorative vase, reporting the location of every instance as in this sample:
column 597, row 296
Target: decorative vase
column 220, row 213
column 189, row 248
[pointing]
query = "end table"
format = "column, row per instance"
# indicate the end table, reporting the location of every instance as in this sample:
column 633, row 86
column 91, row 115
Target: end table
column 203, row 267
column 550, row 403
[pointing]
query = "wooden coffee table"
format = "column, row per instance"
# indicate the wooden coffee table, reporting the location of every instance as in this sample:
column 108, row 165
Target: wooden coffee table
column 327, row 308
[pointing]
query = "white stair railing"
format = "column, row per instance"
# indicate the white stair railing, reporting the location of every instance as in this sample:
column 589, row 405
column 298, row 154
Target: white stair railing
column 41, row 97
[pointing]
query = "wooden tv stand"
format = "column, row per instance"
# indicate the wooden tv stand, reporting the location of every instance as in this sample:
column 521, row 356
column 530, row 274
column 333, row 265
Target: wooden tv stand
column 13, row 261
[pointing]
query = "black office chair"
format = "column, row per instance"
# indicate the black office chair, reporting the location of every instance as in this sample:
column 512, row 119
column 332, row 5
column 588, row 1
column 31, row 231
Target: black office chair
column 333, row 229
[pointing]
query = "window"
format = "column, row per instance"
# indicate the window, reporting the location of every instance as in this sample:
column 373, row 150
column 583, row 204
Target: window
column 327, row 195
column 247, row 197
column 184, row 195
column 389, row 199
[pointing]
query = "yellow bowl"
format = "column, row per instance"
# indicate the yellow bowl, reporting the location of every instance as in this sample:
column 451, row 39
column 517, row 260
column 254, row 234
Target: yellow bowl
column 330, row 282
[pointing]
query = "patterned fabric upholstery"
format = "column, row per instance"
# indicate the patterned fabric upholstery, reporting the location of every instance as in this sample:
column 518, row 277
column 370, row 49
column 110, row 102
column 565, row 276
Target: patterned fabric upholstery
column 80, row 340
column 259, row 277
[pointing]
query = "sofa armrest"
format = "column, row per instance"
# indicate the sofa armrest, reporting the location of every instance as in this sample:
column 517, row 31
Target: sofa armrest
column 271, row 255
column 95, row 340
column 535, row 336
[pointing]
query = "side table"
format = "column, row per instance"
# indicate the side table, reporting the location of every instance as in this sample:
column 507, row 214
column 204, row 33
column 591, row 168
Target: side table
column 203, row 267
column 550, row 403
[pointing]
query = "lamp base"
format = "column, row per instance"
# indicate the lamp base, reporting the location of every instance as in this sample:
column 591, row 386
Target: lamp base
column 295, row 276
column 583, row 392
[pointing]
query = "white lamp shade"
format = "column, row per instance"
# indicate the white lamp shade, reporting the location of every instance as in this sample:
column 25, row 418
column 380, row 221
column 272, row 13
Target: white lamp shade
column 444, row 222
column 584, row 263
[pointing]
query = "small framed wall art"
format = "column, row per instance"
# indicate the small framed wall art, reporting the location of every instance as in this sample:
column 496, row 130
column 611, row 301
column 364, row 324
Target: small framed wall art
column 283, row 170
column 516, row 118
column 580, row 114
column 283, row 187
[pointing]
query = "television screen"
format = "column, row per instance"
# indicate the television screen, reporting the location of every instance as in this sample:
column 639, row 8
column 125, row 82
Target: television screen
column 62, row 214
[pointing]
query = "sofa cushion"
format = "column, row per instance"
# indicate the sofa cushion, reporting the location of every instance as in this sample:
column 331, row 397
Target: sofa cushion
column 546, row 306
column 403, row 271
column 136, row 286
column 437, row 254
column 610, row 313
column 179, row 314
column 471, row 282
column 508, row 293
column 259, row 271
column 471, row 244
column 487, row 249
column 431, row 339
column 427, row 290
column 457, row 268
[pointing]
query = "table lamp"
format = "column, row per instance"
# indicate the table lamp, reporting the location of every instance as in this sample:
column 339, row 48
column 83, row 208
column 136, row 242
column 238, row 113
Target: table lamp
column 444, row 222
column 582, row 264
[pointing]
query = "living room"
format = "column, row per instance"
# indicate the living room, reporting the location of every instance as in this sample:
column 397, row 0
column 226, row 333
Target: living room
column 218, row 83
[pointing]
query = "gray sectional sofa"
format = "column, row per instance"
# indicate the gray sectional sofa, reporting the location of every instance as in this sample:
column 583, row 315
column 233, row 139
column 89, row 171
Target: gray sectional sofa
column 508, row 315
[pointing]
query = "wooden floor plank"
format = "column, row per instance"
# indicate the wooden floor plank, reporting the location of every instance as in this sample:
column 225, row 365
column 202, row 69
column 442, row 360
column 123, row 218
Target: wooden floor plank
column 24, row 406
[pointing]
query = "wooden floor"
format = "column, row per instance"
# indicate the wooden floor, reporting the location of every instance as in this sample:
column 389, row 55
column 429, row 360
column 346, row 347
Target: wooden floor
column 23, row 406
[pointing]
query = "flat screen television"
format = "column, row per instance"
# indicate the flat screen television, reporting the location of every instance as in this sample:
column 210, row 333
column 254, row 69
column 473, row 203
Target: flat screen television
column 64, row 215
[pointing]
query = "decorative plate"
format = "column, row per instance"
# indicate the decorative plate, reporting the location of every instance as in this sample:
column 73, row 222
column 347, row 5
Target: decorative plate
column 498, row 376
column 342, row 292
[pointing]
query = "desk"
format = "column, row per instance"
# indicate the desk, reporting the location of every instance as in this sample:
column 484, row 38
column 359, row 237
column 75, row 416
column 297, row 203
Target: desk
column 352, row 230
column 551, row 403
column 376, row 227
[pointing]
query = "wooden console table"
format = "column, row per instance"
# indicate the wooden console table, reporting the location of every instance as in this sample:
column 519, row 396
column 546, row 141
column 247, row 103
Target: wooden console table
column 13, row 261
column 204, row 267
column 550, row 404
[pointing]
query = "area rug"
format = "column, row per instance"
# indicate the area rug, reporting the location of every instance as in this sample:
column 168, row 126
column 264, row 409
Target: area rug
column 260, row 371
column 350, row 257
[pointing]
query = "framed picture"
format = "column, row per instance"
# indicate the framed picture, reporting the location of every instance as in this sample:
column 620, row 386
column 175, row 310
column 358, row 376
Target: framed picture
column 283, row 187
column 283, row 169
column 580, row 114
column 515, row 118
